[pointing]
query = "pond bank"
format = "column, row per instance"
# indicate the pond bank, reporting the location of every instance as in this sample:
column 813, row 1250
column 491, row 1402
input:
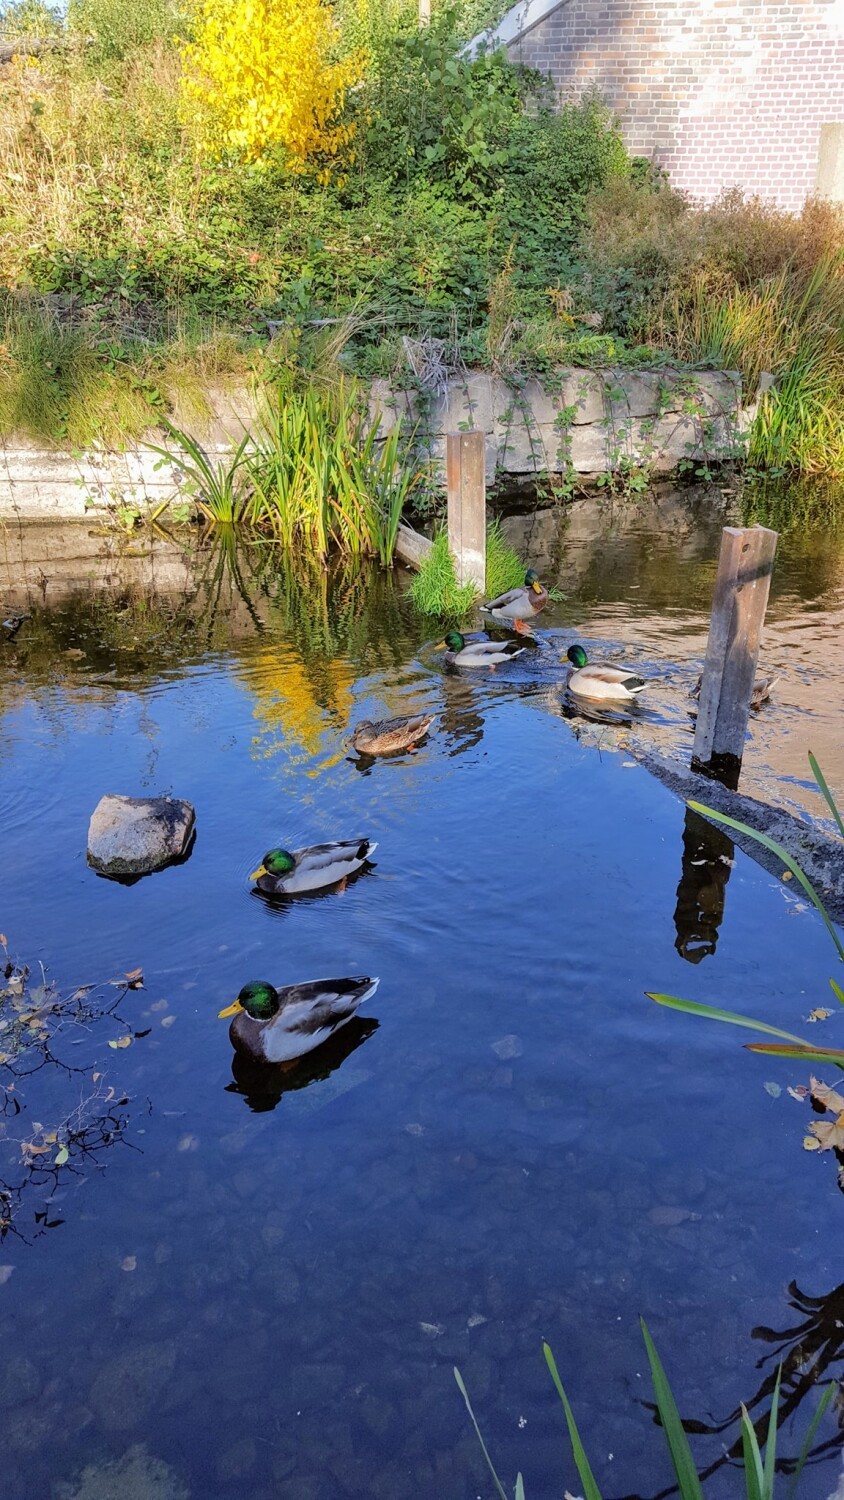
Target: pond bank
column 575, row 425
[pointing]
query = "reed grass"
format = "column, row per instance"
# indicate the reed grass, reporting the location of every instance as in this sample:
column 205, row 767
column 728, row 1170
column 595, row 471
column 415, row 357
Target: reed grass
column 790, row 324
column 313, row 473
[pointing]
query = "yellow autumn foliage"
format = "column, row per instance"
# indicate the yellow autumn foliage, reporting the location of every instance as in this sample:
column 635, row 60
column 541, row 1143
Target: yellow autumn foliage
column 263, row 75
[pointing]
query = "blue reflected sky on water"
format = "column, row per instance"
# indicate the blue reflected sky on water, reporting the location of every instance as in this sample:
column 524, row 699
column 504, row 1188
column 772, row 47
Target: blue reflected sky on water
column 524, row 1147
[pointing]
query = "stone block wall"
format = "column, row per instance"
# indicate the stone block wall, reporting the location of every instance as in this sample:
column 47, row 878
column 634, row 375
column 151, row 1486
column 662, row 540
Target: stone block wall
column 578, row 423
column 723, row 93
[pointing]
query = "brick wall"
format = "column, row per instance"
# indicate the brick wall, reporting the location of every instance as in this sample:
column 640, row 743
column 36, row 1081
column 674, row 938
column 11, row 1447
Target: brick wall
column 723, row 93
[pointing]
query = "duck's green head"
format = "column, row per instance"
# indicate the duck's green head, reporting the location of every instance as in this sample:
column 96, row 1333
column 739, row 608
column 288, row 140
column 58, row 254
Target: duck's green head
column 577, row 657
column 532, row 581
column 257, row 998
column 275, row 862
column 454, row 641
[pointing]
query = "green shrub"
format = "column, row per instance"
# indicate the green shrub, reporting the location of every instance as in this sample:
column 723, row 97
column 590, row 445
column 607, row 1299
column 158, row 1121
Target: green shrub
column 120, row 27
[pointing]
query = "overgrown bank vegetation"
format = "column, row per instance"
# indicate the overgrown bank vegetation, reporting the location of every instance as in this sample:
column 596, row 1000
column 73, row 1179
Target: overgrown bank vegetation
column 164, row 221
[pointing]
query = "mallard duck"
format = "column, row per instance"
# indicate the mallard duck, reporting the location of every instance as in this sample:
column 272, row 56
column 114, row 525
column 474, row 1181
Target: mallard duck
column 277, row 1026
column 518, row 605
column 761, row 690
column 462, row 653
column 389, row 736
column 609, row 683
column 285, row 872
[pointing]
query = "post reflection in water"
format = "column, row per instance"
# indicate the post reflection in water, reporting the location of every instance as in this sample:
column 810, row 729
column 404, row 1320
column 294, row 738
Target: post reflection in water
column 263, row 1085
column 708, row 856
column 460, row 719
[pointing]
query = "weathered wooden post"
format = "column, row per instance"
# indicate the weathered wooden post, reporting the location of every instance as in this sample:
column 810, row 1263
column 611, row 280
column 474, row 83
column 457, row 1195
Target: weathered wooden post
column 466, row 481
column 735, row 626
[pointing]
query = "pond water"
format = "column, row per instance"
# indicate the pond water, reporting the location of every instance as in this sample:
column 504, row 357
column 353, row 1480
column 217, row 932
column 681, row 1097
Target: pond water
column 259, row 1287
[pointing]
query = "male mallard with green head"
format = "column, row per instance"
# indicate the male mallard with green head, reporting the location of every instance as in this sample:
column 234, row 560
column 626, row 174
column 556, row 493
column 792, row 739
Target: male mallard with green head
column 610, row 684
column 462, row 653
column 519, row 605
column 278, row 1025
column 285, row 872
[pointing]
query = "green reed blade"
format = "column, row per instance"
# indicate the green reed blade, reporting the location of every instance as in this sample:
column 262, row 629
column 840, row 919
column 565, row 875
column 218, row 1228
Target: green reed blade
column 731, row 1018
column 678, row 1444
column 587, row 1478
column 826, row 793
column 498, row 1485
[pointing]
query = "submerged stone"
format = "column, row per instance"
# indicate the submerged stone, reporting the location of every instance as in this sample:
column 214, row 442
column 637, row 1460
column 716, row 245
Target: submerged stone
column 131, row 836
column 138, row 1475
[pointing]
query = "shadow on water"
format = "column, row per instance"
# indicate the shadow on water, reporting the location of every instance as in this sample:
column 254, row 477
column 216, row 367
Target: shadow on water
column 808, row 1354
column 263, row 1087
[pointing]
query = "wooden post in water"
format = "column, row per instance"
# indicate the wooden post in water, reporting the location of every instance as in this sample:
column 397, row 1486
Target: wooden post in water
column 735, row 626
column 466, row 480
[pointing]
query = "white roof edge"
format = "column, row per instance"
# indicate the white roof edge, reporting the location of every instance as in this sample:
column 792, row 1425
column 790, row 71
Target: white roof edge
column 518, row 20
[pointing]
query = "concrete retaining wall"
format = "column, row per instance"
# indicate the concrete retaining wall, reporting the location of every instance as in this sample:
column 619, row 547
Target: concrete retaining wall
column 579, row 423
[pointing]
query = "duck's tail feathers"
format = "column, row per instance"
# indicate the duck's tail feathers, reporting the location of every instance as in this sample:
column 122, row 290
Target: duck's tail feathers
column 367, row 848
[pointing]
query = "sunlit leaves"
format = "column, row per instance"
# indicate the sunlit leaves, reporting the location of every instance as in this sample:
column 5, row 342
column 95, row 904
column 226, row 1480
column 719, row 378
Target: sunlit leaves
column 262, row 75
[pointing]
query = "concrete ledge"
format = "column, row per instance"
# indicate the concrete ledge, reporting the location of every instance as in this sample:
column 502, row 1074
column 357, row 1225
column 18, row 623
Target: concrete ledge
column 574, row 422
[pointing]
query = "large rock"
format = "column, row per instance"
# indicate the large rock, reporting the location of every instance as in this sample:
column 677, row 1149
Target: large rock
column 136, row 835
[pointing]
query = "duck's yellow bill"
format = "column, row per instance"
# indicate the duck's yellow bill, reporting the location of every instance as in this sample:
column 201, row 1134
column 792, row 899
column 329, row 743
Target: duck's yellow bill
column 256, row 874
column 440, row 647
column 536, row 586
column 230, row 1010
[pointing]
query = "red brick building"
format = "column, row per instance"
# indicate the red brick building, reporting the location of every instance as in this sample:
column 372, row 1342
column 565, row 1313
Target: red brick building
column 722, row 93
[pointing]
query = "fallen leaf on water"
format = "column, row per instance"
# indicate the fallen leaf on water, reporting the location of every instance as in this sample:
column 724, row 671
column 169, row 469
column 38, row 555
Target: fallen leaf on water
column 810, row 1144
column 800, row 1093
column 3, row 939
column 168, row 1020
column 826, row 1097
column 61, row 1157
column 95, row 1077
column 135, row 978
column 433, row 1330
column 189, row 1143
column 159, row 1005
column 787, row 875
column 476, row 1320
column 5, row 1273
column 773, row 1089
column 819, row 1015
column 122, row 1041
column 829, row 1133
column 129, row 1263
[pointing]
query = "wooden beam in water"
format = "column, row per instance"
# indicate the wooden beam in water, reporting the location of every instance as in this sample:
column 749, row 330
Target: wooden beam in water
column 466, row 481
column 735, row 627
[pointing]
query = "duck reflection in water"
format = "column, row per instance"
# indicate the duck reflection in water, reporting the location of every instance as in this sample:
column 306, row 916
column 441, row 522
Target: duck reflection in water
column 701, row 894
column 263, row 1085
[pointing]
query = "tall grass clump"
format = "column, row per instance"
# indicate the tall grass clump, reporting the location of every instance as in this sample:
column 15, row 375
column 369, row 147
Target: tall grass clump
column 435, row 590
column 742, row 285
column 793, row 327
column 314, row 473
